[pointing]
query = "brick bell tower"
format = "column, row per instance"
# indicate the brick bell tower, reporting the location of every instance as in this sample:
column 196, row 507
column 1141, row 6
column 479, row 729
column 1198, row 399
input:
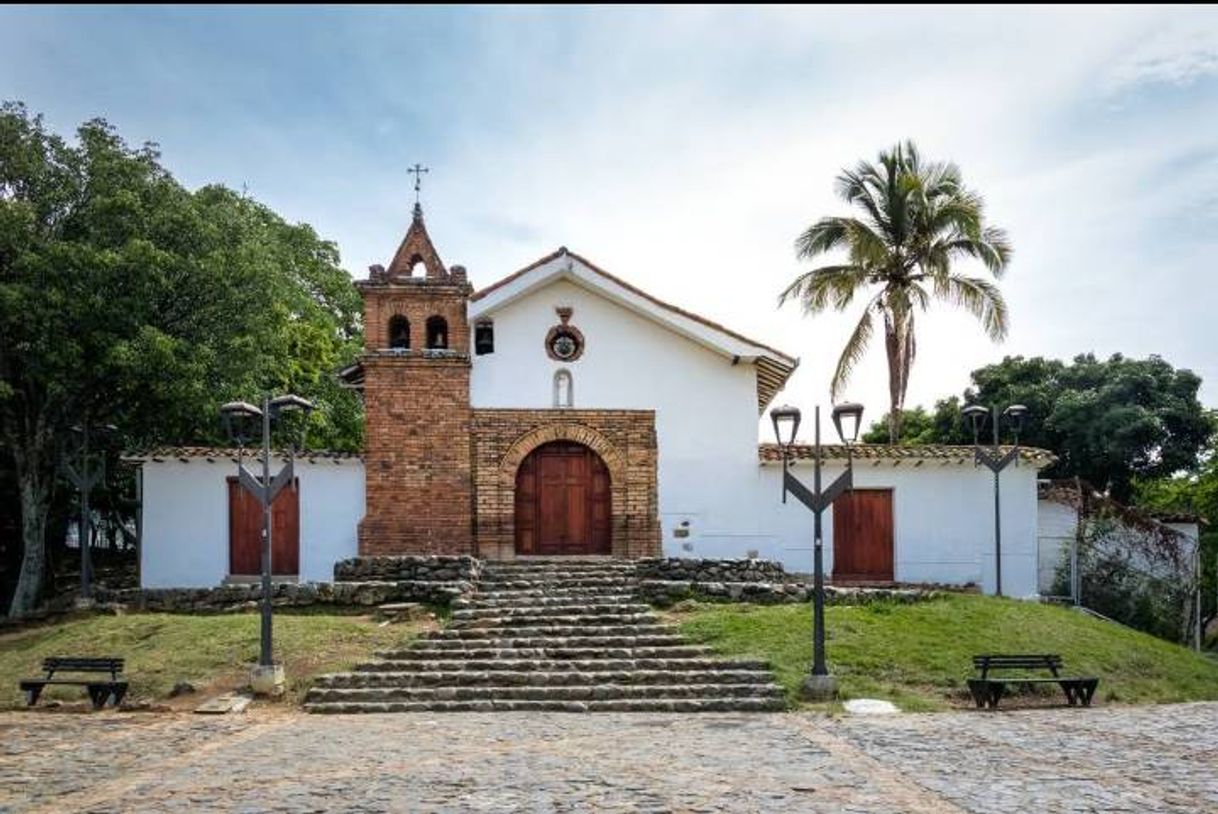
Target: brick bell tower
column 416, row 367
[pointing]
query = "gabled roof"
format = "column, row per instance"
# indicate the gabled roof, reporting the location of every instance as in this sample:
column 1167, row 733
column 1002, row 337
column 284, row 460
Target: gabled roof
column 773, row 366
column 916, row 454
column 416, row 247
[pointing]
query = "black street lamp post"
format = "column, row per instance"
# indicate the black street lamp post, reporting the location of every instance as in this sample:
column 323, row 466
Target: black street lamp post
column 819, row 686
column 239, row 417
column 996, row 461
column 85, row 468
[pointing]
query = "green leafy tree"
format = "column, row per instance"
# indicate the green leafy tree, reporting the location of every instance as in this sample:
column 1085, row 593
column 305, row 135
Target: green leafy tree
column 917, row 222
column 942, row 425
column 127, row 299
column 1111, row 422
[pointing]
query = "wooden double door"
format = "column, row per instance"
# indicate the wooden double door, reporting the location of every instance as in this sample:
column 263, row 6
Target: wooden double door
column 563, row 501
column 862, row 536
column 245, row 531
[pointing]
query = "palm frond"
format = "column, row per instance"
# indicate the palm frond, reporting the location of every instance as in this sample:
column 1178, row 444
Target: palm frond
column 979, row 297
column 853, row 352
column 858, row 187
column 826, row 286
column 867, row 248
column 991, row 246
column 823, row 236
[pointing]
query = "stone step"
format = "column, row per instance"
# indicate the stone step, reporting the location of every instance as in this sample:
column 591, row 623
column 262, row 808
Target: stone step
column 479, row 653
column 545, row 601
column 597, row 692
column 502, row 618
column 439, row 641
column 393, row 667
column 767, row 704
column 532, row 678
column 561, row 635
column 546, row 573
column 528, row 564
column 569, row 607
column 571, row 631
column 553, row 592
column 516, row 583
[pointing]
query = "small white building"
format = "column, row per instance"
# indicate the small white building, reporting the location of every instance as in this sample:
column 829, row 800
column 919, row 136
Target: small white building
column 563, row 410
column 1072, row 514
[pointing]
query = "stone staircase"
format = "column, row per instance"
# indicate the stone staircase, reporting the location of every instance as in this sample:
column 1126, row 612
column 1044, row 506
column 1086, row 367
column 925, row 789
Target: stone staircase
column 563, row 635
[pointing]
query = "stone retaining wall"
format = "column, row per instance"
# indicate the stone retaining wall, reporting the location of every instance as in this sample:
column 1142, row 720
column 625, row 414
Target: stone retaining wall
column 669, row 592
column 439, row 580
column 697, row 570
column 246, row 597
column 420, row 568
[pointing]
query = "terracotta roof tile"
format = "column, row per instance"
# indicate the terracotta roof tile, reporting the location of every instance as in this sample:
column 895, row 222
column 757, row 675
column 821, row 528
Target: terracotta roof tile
column 944, row 453
column 230, row 453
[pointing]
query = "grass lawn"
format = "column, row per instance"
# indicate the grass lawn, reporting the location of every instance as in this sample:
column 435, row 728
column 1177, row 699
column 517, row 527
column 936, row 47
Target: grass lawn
column 213, row 652
column 919, row 655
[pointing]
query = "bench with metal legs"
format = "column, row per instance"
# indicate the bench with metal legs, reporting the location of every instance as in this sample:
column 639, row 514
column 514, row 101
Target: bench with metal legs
column 100, row 690
column 987, row 691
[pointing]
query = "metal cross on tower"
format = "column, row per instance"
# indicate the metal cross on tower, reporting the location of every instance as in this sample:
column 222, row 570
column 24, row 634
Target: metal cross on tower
column 417, row 170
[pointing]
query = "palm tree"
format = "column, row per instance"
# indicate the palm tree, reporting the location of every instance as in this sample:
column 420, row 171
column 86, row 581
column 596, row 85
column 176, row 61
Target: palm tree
column 917, row 220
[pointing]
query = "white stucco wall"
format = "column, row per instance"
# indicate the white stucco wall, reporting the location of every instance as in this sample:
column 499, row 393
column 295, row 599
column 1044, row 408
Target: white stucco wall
column 1057, row 527
column 943, row 522
column 706, row 407
column 185, row 520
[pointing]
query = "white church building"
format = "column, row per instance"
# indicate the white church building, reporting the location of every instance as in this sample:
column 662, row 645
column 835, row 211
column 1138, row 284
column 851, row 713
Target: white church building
column 564, row 411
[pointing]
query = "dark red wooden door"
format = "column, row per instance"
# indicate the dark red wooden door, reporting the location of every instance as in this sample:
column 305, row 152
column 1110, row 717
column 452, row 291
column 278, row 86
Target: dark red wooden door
column 245, row 531
column 862, row 536
column 562, row 501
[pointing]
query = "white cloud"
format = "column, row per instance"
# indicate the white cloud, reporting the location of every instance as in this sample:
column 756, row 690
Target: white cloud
column 1178, row 51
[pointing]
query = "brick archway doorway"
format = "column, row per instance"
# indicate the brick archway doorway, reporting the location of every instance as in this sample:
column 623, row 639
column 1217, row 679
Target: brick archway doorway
column 563, row 501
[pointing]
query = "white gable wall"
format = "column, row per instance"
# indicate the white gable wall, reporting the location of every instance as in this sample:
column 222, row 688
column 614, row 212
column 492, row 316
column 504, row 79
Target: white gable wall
column 708, row 471
column 706, row 407
column 185, row 520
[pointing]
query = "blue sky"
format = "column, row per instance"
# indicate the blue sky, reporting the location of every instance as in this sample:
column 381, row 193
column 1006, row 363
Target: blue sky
column 684, row 149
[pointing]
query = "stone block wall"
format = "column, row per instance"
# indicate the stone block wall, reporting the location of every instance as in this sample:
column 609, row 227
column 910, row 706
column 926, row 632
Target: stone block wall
column 408, row 567
column 700, row 570
column 664, row 593
column 624, row 439
column 229, row 598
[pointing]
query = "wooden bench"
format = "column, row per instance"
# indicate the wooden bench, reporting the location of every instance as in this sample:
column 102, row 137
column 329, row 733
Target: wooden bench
column 987, row 691
column 100, row 690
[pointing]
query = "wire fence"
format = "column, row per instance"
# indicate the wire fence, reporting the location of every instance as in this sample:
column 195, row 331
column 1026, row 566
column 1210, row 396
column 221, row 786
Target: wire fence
column 1139, row 576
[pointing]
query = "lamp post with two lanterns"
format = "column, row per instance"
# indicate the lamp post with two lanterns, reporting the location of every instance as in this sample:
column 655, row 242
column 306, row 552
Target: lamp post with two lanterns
column 819, row 685
column 239, row 419
column 996, row 461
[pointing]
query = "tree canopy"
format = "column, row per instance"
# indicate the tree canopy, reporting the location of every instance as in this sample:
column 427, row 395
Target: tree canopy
column 127, row 299
column 1111, row 422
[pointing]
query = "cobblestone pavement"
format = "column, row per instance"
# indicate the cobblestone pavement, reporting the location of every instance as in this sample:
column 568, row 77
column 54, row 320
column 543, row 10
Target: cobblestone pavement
column 1144, row 759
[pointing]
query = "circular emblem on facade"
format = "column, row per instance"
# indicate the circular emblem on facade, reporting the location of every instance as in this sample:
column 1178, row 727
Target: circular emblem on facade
column 564, row 343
